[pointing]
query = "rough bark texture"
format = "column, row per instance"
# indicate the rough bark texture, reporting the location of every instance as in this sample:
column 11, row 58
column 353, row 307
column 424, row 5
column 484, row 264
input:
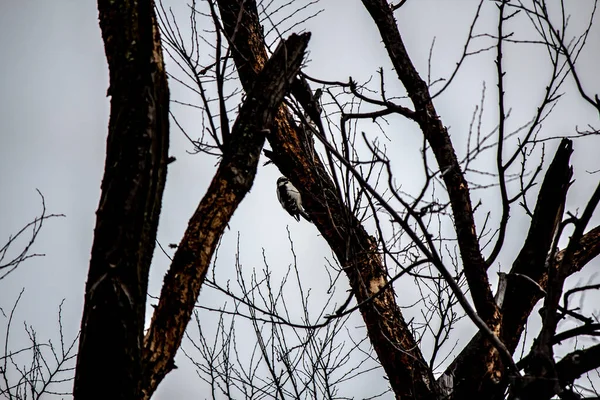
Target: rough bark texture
column 356, row 250
column 231, row 183
column 110, row 347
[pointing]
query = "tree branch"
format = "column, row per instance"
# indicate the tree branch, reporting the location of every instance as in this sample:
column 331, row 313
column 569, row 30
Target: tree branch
column 521, row 296
column 575, row 364
column 542, row 380
column 439, row 140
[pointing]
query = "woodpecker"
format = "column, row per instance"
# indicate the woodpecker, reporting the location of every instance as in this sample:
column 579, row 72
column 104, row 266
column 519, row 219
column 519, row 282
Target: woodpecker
column 290, row 199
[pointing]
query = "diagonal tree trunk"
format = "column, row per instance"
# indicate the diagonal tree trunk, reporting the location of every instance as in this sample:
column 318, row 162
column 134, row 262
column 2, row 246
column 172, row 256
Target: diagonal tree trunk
column 231, row 183
column 110, row 347
column 398, row 352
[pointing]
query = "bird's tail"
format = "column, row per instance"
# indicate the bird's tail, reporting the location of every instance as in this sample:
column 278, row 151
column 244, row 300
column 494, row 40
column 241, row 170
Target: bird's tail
column 305, row 215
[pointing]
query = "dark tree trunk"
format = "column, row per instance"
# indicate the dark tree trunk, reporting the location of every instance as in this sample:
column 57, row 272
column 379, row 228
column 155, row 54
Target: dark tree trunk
column 110, row 348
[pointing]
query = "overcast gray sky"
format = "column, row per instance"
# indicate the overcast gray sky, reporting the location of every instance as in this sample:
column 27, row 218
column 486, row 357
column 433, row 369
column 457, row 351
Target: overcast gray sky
column 53, row 126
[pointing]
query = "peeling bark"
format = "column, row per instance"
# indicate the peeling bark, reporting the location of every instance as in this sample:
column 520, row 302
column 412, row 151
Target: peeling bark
column 109, row 358
column 231, row 183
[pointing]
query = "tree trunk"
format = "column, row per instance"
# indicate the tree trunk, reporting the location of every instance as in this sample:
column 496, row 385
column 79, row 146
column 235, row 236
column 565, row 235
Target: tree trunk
column 110, row 347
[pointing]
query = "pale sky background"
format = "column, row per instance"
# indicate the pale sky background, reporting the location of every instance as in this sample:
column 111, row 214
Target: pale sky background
column 53, row 126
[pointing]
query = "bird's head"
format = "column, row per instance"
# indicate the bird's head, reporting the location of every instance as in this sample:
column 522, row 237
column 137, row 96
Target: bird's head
column 282, row 181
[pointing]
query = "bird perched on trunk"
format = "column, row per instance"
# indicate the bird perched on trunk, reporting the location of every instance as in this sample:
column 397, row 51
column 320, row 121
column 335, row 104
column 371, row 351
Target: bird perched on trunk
column 290, row 199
